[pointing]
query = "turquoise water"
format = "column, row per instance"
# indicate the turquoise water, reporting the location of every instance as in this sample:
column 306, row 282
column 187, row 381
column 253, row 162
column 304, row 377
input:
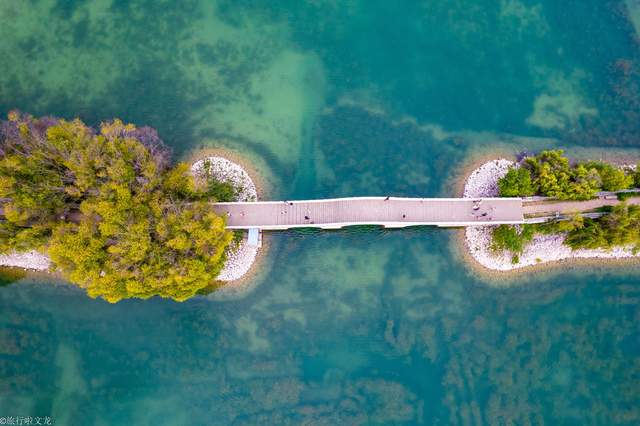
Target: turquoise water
column 332, row 98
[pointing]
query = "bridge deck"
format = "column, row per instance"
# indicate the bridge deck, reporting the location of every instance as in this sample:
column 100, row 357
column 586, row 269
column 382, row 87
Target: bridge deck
column 392, row 213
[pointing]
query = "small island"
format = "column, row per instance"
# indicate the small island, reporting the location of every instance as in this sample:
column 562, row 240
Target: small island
column 108, row 211
column 573, row 210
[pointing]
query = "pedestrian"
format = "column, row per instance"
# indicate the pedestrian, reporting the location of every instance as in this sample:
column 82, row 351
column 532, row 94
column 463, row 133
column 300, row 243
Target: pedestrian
column 306, row 218
column 404, row 216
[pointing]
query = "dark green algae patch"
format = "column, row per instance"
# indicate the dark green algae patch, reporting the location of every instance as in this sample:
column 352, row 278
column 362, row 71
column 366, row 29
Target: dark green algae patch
column 11, row 275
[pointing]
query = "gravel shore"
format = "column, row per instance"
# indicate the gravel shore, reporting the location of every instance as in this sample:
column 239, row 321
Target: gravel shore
column 483, row 182
column 227, row 171
column 31, row 260
column 240, row 257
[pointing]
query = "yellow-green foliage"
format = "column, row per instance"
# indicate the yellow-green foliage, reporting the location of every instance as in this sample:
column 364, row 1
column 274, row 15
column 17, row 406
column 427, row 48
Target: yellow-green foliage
column 111, row 215
column 550, row 174
column 613, row 178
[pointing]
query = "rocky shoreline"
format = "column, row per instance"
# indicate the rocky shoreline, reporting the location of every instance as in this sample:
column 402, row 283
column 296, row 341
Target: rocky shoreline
column 483, row 182
column 240, row 257
column 31, row 260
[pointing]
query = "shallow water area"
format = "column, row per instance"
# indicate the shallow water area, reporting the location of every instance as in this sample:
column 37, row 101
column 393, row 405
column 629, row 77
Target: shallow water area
column 335, row 98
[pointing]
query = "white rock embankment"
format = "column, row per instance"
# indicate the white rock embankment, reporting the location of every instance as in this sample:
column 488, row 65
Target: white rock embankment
column 227, row 171
column 483, row 182
column 32, row 260
column 240, row 257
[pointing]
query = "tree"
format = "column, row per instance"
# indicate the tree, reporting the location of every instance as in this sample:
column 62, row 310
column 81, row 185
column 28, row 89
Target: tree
column 590, row 236
column 140, row 227
column 551, row 175
column 613, row 178
column 516, row 183
column 551, row 184
column 553, row 159
column 170, row 251
column 585, row 183
column 576, row 222
column 621, row 227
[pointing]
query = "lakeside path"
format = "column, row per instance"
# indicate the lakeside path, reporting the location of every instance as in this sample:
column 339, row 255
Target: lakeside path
column 390, row 212
column 567, row 207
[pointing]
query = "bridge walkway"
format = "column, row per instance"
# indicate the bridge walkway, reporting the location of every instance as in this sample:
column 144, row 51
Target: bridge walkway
column 393, row 212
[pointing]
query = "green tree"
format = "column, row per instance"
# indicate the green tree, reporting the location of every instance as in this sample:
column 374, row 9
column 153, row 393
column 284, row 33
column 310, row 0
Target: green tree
column 621, row 227
column 613, row 178
column 550, row 183
column 554, row 160
column 516, row 183
column 576, row 222
column 552, row 175
column 585, row 183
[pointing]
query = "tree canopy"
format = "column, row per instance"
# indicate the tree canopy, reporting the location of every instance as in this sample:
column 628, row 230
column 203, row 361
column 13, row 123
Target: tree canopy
column 112, row 213
column 516, row 183
column 550, row 174
column 621, row 227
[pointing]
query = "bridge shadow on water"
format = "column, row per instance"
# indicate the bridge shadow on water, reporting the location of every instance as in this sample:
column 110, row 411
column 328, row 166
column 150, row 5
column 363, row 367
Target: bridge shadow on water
column 356, row 230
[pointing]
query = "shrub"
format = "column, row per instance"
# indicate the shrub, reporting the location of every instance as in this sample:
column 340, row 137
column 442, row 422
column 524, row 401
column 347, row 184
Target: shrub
column 220, row 191
column 511, row 238
column 217, row 190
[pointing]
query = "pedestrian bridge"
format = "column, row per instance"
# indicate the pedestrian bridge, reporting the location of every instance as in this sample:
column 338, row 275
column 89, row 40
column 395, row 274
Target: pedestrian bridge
column 390, row 212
